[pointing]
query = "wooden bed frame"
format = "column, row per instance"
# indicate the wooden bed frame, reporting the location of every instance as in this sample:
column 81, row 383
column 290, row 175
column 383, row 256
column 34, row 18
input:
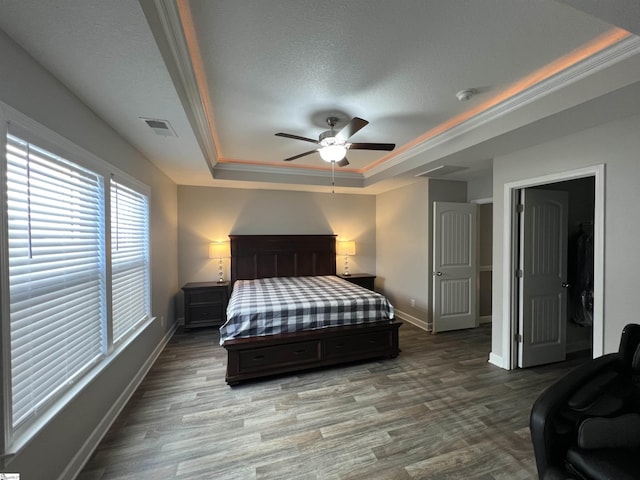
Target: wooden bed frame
column 260, row 256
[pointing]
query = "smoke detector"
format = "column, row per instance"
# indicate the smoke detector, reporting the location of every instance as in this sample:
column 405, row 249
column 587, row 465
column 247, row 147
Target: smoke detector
column 464, row 95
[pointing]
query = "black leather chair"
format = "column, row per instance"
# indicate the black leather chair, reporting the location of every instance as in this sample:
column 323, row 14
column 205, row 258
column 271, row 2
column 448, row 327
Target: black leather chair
column 587, row 424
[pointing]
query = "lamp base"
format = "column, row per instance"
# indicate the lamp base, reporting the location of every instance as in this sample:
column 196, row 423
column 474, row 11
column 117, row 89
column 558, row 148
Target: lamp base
column 220, row 272
column 346, row 266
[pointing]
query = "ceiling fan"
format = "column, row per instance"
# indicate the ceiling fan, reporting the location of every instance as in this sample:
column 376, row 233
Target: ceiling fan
column 333, row 146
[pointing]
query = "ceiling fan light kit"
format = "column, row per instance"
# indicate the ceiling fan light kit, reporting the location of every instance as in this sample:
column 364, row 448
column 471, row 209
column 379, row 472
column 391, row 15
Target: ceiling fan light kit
column 332, row 153
column 333, row 146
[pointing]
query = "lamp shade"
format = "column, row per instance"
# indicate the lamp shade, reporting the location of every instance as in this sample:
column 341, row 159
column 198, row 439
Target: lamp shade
column 219, row 250
column 346, row 248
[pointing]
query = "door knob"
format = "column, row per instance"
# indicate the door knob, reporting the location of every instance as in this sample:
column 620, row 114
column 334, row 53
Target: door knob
column 565, row 285
column 437, row 274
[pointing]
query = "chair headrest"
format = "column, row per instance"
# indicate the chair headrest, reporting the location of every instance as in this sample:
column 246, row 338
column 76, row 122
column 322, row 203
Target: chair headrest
column 629, row 342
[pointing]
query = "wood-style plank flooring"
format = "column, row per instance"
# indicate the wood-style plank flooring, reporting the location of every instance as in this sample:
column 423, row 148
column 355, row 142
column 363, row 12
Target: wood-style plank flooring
column 438, row 411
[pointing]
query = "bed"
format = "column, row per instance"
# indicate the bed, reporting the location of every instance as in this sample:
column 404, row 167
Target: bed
column 271, row 347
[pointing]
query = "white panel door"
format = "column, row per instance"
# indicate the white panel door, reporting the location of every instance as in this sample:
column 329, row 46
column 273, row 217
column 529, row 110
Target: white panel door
column 454, row 266
column 543, row 264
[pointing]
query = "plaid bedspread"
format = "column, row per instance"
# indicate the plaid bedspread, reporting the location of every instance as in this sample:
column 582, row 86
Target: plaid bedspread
column 269, row 306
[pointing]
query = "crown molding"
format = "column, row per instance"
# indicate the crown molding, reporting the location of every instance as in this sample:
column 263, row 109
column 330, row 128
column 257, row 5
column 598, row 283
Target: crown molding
column 292, row 171
column 600, row 61
column 163, row 17
column 285, row 175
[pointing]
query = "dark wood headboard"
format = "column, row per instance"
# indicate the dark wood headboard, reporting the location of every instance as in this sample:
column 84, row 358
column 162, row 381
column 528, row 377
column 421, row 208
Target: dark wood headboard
column 260, row 256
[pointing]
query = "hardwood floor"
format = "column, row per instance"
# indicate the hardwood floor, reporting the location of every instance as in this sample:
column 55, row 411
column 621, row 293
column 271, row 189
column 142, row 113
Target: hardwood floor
column 438, row 411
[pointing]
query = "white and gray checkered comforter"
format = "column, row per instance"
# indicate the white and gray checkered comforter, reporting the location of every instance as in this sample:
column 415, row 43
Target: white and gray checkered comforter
column 269, row 306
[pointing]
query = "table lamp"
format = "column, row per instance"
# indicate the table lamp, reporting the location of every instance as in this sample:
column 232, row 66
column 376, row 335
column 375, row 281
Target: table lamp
column 346, row 248
column 219, row 250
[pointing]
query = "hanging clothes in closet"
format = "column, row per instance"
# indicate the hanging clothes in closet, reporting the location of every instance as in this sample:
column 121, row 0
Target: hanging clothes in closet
column 581, row 290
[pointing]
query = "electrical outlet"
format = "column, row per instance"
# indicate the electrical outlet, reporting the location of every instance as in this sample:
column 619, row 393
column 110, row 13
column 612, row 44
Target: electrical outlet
column 413, row 302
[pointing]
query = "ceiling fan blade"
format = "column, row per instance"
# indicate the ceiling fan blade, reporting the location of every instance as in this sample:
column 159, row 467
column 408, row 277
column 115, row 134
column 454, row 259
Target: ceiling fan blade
column 300, row 155
column 296, row 137
column 372, row 146
column 352, row 127
column 343, row 163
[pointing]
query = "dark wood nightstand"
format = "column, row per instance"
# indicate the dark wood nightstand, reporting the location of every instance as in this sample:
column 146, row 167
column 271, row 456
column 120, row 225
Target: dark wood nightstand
column 363, row 279
column 205, row 304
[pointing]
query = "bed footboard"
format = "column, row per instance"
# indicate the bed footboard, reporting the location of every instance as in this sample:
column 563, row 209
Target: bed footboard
column 250, row 358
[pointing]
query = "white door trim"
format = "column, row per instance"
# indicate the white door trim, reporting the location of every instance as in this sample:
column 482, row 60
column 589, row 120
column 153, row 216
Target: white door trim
column 509, row 260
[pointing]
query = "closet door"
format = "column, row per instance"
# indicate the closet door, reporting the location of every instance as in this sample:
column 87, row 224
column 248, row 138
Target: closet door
column 542, row 314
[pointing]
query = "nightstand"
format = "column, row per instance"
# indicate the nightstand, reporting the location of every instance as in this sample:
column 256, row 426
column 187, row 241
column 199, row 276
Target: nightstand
column 205, row 304
column 363, row 279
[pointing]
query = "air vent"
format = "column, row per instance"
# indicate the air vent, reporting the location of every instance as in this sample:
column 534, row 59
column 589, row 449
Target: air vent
column 160, row 127
column 440, row 171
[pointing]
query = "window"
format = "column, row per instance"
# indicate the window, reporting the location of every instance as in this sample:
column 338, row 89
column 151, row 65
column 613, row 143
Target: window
column 77, row 271
column 56, row 274
column 129, row 258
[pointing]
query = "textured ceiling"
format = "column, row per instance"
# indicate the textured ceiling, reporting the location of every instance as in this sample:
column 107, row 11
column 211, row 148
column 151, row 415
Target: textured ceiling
column 229, row 74
column 398, row 65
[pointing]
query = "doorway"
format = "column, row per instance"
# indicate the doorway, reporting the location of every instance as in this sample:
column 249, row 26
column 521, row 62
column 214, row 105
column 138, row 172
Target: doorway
column 594, row 176
column 454, row 266
column 485, row 259
column 581, row 194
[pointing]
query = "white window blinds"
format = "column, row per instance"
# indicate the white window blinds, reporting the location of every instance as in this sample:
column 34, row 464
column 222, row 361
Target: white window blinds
column 129, row 258
column 56, row 274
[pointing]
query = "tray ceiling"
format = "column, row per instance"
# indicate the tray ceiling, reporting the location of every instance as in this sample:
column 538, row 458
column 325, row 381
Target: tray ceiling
column 227, row 75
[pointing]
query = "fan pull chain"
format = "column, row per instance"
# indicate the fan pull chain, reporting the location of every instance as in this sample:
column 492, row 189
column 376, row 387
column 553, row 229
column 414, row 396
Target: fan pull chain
column 333, row 177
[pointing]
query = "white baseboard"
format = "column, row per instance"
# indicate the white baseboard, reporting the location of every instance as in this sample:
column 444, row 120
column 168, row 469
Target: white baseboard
column 413, row 320
column 485, row 319
column 496, row 360
column 79, row 460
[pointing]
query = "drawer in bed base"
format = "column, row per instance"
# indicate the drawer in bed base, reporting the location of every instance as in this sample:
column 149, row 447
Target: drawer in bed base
column 254, row 358
column 350, row 346
column 278, row 356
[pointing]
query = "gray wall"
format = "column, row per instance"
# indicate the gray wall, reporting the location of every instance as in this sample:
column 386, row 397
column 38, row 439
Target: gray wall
column 616, row 145
column 402, row 229
column 208, row 214
column 480, row 188
column 403, row 235
column 25, row 86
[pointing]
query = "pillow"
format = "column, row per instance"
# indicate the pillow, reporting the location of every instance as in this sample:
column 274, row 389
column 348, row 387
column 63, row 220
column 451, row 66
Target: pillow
column 617, row 432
